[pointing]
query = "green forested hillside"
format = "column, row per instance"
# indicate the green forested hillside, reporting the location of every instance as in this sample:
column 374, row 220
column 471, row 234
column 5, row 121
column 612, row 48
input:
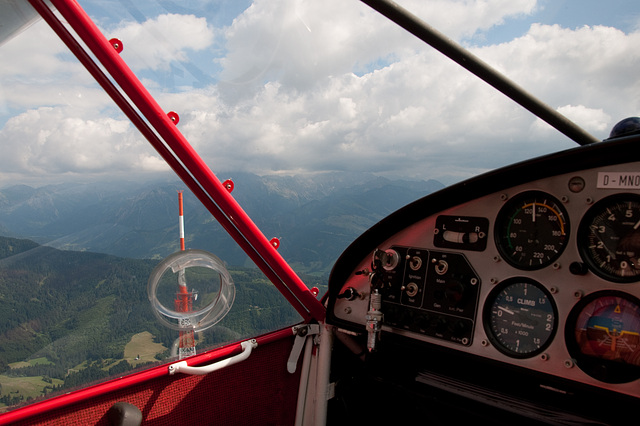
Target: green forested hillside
column 12, row 246
column 66, row 316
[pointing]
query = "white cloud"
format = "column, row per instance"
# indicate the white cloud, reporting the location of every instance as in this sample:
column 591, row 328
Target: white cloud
column 465, row 18
column 596, row 120
column 408, row 114
column 591, row 68
column 157, row 42
column 47, row 141
column 301, row 42
column 331, row 85
column 34, row 64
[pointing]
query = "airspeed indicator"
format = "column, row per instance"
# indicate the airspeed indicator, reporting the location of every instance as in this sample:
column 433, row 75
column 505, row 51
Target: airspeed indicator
column 532, row 230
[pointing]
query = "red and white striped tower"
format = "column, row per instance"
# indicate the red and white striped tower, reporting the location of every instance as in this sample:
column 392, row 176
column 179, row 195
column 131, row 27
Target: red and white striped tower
column 181, row 220
column 184, row 298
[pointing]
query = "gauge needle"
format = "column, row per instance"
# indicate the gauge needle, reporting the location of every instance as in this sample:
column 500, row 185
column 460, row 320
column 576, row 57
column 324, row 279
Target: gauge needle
column 506, row 310
column 534, row 212
column 636, row 225
column 595, row 234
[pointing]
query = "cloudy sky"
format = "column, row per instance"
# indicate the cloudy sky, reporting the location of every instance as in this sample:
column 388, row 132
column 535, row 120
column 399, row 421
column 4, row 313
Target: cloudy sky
column 294, row 86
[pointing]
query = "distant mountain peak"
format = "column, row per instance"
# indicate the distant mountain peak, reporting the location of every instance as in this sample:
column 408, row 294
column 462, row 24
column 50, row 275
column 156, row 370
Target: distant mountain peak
column 315, row 215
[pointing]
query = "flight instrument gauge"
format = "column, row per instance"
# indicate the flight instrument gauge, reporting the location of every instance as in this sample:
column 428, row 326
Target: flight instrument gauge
column 520, row 317
column 532, row 230
column 609, row 238
column 603, row 336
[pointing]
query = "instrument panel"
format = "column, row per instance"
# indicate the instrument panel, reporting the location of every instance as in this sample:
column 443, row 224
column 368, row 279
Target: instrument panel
column 543, row 275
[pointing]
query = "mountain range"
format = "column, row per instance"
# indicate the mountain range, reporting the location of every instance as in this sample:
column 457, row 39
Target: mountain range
column 75, row 260
column 315, row 216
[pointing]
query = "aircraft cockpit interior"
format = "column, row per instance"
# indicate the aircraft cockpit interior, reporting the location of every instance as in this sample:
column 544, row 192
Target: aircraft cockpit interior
column 517, row 292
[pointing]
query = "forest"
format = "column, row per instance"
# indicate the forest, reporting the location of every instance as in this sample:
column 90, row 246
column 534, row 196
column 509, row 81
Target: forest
column 66, row 317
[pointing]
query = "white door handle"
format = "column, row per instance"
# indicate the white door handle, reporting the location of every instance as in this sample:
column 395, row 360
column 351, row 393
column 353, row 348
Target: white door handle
column 183, row 367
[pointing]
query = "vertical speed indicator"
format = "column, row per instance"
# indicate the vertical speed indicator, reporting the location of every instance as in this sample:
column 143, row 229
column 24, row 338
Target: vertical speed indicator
column 532, row 230
column 520, row 317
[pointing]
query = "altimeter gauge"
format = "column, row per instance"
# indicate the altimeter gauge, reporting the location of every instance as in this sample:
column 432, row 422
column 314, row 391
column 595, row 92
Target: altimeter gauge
column 609, row 238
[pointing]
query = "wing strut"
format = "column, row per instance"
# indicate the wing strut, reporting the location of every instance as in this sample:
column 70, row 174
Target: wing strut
column 481, row 69
column 161, row 132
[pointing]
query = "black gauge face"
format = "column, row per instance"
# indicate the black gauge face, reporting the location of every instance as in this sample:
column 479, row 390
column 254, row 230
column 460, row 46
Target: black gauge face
column 520, row 317
column 532, row 230
column 603, row 335
column 609, row 238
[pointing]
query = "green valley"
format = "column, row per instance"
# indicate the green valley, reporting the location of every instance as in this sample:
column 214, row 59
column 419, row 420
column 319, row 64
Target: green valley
column 70, row 318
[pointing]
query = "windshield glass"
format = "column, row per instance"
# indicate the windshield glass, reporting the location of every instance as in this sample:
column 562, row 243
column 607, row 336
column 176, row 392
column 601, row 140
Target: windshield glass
column 325, row 115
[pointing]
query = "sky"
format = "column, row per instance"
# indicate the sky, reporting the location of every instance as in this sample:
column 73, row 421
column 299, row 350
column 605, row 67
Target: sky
column 307, row 86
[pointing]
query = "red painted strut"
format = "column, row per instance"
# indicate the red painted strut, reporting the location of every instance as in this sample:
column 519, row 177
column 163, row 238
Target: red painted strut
column 161, row 131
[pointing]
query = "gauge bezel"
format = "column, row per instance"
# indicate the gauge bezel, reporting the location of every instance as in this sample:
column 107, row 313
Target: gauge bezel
column 502, row 224
column 487, row 316
column 601, row 369
column 584, row 231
